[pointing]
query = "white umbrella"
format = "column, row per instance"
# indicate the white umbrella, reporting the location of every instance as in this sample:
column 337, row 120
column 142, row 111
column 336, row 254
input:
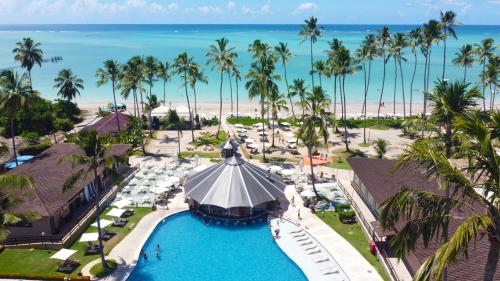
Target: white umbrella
column 86, row 237
column 241, row 130
column 291, row 140
column 63, row 254
column 122, row 203
column 275, row 168
column 238, row 125
column 287, row 172
column 249, row 141
column 161, row 189
column 252, row 146
column 115, row 212
column 257, row 125
column 286, row 124
column 307, row 193
column 104, row 223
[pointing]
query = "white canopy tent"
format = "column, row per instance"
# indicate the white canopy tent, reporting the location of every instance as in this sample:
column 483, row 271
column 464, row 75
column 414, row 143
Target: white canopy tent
column 104, row 223
column 63, row 254
column 115, row 212
column 87, row 237
column 122, row 203
column 307, row 193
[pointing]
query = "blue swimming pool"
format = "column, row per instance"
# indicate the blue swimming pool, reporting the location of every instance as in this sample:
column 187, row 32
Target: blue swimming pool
column 191, row 250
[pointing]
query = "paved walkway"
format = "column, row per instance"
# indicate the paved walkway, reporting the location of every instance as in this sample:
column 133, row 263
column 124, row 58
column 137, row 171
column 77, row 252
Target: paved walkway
column 350, row 260
column 128, row 250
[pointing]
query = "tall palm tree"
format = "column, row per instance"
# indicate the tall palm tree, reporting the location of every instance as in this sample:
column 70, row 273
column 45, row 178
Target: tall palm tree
column 393, row 53
column 183, row 65
column 320, row 69
column 414, row 41
column 298, row 89
column 13, row 190
column 464, row 57
column 261, row 79
column 448, row 101
column 484, row 52
column 490, row 78
column 110, row 72
column 196, row 75
column 219, row 57
column 69, row 84
column 428, row 214
column 447, row 23
column 131, row 81
column 150, row 70
column 174, row 121
column 346, row 67
column 28, row 53
column 163, row 72
column 432, row 34
column 284, row 53
column 332, row 53
column 95, row 149
column 311, row 31
column 14, row 89
column 237, row 78
column 315, row 104
column 401, row 42
column 276, row 103
column 231, row 62
column 384, row 38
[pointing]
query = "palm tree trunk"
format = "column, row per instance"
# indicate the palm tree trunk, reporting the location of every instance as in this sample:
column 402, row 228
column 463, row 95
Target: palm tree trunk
column 142, row 106
column 447, row 140
column 494, row 94
column 345, row 116
column 98, row 218
column 465, row 73
column 312, row 65
column 395, row 85
column 140, row 126
column 425, row 87
column 164, row 91
column 335, row 103
column 195, row 102
column 237, row 100
column 492, row 261
column 189, row 105
column 31, row 83
column 274, row 122
column 364, row 104
column 492, row 98
column 116, row 110
column 263, row 126
column 220, row 107
column 402, row 87
column 366, row 95
column 484, row 86
column 428, row 70
column 320, row 82
column 309, row 150
column 230, row 88
column 444, row 54
column 288, row 89
column 411, row 84
column 382, row 90
column 12, row 135
column 179, row 140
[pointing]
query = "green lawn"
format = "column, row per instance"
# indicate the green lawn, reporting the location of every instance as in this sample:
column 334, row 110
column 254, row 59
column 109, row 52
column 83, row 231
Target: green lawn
column 35, row 261
column 384, row 124
column 355, row 236
column 340, row 157
column 208, row 139
column 188, row 154
column 245, row 121
column 99, row 271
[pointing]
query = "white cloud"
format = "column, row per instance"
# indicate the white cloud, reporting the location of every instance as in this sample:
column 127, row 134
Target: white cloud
column 309, row 6
column 209, row 9
column 266, row 8
column 496, row 2
column 247, row 11
column 263, row 10
column 231, row 5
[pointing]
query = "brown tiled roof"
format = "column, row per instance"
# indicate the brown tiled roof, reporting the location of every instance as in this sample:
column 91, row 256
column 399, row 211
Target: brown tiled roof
column 107, row 125
column 49, row 173
column 381, row 184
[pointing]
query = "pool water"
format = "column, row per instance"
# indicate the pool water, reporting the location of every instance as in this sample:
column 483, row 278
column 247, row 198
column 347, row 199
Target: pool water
column 191, row 250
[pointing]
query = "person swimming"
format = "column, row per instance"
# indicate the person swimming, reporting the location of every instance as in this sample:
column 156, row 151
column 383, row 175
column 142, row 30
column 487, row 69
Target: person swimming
column 158, row 247
column 145, row 256
column 158, row 255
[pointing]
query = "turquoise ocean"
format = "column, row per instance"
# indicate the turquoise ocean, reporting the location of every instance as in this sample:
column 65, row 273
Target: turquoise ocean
column 85, row 47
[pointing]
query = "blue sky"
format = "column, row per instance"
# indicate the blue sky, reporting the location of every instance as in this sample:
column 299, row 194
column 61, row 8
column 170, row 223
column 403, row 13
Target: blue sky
column 239, row 11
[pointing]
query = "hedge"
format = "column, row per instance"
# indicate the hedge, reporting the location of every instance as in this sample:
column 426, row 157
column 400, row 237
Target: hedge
column 43, row 277
column 34, row 149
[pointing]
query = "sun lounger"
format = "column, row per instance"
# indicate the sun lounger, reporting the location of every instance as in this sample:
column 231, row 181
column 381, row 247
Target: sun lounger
column 299, row 235
column 92, row 250
column 302, row 239
column 306, row 243
column 314, row 252
column 311, row 248
column 320, row 259
column 68, row 266
column 120, row 222
column 107, row 235
column 296, row 231
column 329, row 270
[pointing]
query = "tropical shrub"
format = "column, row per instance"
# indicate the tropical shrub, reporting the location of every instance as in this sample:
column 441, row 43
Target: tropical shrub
column 31, row 138
column 34, row 149
column 347, row 215
column 63, row 124
column 67, row 110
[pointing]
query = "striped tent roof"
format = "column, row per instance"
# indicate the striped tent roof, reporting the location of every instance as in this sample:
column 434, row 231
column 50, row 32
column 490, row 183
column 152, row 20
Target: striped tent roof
column 234, row 183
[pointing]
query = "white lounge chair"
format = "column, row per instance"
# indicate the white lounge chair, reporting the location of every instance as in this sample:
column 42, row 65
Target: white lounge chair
column 329, row 270
column 319, row 259
column 314, row 252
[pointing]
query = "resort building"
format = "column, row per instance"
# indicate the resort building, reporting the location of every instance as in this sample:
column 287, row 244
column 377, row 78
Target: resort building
column 108, row 124
column 375, row 181
column 63, row 214
column 233, row 188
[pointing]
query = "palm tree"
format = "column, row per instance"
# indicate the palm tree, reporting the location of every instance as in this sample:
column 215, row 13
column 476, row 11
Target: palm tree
column 464, row 57
column 393, row 53
column 110, row 72
column 332, row 54
column 196, row 75
column 485, row 50
column 284, row 53
column 231, row 62
column 28, row 53
column 219, row 57
column 69, row 84
column 15, row 89
column 13, row 190
column 490, row 78
column 384, row 37
column 131, row 79
column 414, row 41
column 448, row 101
column 401, row 42
column 346, row 67
column 428, row 214
column 95, row 149
column 173, row 120
column 320, row 68
column 432, row 34
column 298, row 89
column 276, row 103
column 315, row 104
column 163, row 72
column 237, row 77
column 447, row 23
column 150, row 70
column 381, row 147
column 183, row 65
column 310, row 31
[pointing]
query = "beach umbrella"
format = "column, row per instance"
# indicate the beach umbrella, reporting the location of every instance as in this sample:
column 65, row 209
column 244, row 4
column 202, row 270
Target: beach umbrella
column 87, row 237
column 275, row 168
column 122, row 203
column 307, row 193
column 238, row 126
column 249, row 141
column 115, row 212
column 286, row 124
column 287, row 172
column 63, row 254
column 103, row 222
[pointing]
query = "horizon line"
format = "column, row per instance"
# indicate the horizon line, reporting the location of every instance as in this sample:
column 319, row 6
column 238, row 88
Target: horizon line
column 249, row 24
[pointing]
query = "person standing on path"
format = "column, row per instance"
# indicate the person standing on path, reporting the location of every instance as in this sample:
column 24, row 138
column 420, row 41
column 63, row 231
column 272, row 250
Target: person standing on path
column 298, row 213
